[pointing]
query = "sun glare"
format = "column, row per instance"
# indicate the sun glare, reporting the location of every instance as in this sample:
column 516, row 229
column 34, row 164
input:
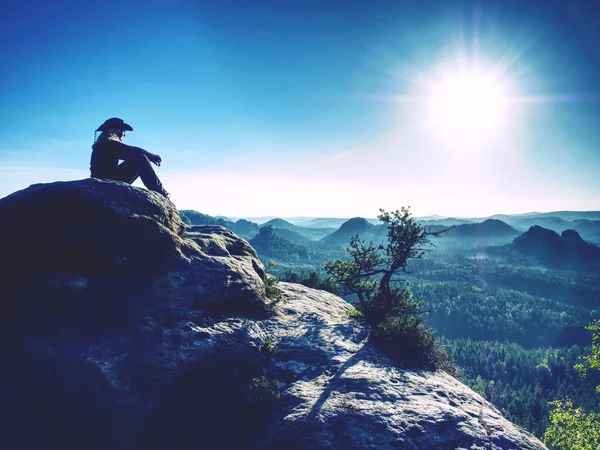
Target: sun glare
column 467, row 106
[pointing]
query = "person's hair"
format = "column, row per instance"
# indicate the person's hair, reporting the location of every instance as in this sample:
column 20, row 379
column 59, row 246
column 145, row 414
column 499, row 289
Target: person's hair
column 113, row 134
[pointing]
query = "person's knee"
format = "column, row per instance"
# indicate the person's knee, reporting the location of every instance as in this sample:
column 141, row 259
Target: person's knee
column 139, row 160
column 145, row 161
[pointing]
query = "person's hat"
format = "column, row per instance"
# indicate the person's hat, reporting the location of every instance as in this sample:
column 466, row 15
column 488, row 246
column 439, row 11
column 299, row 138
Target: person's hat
column 114, row 122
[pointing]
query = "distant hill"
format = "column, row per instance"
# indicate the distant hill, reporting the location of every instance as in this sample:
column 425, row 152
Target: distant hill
column 293, row 237
column 192, row 217
column 468, row 235
column 357, row 225
column 267, row 243
column 331, row 222
column 580, row 221
column 242, row 228
column 554, row 223
column 564, row 215
column 445, row 222
column 435, row 228
column 572, row 215
column 586, row 223
column 258, row 220
column 491, row 228
column 245, row 228
column 280, row 223
column 556, row 220
column 261, row 220
column 506, row 217
column 432, row 217
column 567, row 250
column 487, row 230
column 589, row 229
column 308, row 233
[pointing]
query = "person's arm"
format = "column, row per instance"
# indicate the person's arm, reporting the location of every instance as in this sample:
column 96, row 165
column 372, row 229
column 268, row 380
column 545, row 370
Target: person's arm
column 128, row 152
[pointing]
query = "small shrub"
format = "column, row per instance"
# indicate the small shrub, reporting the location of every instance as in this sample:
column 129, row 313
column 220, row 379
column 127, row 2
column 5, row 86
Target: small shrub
column 273, row 292
column 269, row 347
column 357, row 315
column 312, row 279
column 263, row 391
column 411, row 343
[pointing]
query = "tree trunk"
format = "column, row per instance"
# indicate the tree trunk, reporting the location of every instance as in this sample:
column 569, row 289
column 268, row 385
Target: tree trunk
column 384, row 285
column 386, row 291
column 361, row 300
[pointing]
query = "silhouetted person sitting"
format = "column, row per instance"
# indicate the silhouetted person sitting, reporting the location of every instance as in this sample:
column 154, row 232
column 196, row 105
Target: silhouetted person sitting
column 108, row 149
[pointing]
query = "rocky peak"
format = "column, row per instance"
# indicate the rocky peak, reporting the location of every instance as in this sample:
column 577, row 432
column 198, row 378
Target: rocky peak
column 567, row 250
column 356, row 224
column 572, row 236
column 122, row 329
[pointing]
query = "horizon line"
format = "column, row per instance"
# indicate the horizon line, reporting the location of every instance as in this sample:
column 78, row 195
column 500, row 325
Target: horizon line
column 434, row 216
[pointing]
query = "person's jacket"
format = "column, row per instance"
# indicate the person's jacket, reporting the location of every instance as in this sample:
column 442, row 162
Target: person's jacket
column 107, row 153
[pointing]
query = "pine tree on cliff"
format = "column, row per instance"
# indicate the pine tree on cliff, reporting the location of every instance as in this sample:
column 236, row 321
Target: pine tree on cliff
column 371, row 273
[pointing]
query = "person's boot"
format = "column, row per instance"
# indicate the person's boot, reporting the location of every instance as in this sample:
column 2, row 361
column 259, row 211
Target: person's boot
column 164, row 193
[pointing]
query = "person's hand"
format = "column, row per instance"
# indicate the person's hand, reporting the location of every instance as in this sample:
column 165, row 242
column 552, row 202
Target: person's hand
column 156, row 159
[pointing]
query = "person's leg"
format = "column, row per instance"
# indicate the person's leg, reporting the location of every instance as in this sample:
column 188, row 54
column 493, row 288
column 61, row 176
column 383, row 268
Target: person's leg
column 139, row 165
column 127, row 172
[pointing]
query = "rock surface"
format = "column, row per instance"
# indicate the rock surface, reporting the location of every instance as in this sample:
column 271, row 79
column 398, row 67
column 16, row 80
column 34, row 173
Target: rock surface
column 173, row 348
column 346, row 395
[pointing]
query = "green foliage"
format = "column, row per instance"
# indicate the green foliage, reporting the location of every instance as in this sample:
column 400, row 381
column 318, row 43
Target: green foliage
column 569, row 287
column 407, row 340
column 478, row 384
column 493, row 313
column 314, row 279
column 572, row 428
column 271, row 288
column 242, row 227
column 378, row 307
column 355, row 276
column 357, row 315
column 190, row 217
column 269, row 347
column 521, row 381
column 263, row 391
column 591, row 361
column 391, row 311
column 371, row 269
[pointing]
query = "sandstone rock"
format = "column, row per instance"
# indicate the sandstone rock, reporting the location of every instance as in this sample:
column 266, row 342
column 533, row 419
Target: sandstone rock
column 343, row 394
column 98, row 353
column 107, row 234
column 90, row 226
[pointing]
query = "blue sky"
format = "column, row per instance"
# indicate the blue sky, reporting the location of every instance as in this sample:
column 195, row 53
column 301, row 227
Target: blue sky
column 300, row 107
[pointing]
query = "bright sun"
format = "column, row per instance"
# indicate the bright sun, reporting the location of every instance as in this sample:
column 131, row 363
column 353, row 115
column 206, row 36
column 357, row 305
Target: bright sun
column 467, row 106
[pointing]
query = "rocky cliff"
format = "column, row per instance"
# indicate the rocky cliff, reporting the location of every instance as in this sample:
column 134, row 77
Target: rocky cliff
column 122, row 329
